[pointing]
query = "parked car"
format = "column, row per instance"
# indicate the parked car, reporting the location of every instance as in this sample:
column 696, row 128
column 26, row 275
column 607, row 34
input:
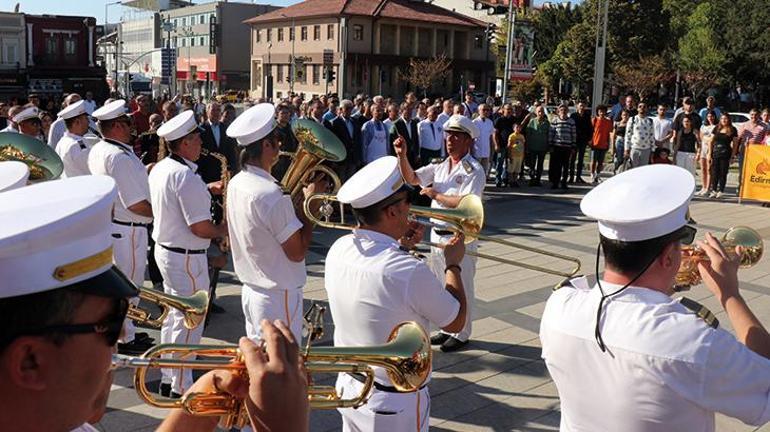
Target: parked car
column 739, row 118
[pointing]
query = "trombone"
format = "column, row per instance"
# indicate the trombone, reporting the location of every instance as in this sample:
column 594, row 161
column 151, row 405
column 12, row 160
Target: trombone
column 466, row 218
column 193, row 308
column 406, row 359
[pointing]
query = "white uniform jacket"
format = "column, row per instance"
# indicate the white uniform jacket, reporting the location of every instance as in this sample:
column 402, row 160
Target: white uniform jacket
column 73, row 151
column 668, row 371
column 260, row 218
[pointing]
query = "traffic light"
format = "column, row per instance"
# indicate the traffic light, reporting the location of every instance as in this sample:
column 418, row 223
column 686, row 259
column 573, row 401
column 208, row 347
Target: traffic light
column 331, row 75
column 491, row 31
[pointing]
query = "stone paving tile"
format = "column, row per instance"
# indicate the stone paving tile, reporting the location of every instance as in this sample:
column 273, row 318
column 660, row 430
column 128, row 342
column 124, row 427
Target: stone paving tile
column 499, row 383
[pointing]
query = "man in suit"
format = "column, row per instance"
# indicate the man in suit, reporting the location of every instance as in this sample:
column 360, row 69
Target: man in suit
column 406, row 127
column 348, row 131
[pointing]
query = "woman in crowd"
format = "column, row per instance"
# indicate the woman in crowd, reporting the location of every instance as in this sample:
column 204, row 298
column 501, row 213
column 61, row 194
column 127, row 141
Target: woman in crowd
column 617, row 138
column 687, row 146
column 706, row 134
column 724, row 147
column 45, row 120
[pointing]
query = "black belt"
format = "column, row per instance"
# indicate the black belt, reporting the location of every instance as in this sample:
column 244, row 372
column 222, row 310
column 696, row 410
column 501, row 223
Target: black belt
column 184, row 251
column 131, row 224
column 443, row 232
column 381, row 387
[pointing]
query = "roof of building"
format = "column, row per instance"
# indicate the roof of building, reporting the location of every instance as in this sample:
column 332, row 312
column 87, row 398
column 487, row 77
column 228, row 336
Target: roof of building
column 410, row 10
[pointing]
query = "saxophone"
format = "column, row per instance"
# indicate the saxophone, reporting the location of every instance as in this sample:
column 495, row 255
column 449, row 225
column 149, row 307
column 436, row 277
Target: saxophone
column 224, row 176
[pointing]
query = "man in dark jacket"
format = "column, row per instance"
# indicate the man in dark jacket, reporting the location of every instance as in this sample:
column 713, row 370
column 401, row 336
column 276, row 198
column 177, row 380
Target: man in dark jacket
column 348, row 131
column 406, row 127
column 584, row 130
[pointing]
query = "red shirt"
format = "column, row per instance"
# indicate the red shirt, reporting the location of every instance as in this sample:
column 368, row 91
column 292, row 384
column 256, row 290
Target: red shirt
column 141, row 121
column 602, row 128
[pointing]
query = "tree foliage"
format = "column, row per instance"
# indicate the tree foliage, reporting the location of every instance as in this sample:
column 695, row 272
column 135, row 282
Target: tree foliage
column 701, row 57
column 424, row 73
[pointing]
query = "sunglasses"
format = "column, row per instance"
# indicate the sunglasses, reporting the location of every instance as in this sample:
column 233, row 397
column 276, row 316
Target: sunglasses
column 687, row 235
column 110, row 328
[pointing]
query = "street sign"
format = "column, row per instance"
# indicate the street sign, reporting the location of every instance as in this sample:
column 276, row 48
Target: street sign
column 328, row 57
column 213, row 35
column 167, row 63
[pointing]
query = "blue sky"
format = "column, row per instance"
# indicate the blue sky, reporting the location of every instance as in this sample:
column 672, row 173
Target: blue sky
column 95, row 8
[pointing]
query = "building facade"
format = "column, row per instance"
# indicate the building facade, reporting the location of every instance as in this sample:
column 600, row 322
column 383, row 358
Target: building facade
column 61, row 56
column 367, row 45
column 13, row 55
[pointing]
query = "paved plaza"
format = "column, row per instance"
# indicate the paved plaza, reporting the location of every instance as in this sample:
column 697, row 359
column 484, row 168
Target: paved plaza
column 499, row 383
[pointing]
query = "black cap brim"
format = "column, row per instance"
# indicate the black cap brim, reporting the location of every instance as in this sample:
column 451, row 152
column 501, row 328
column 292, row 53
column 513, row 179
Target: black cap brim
column 111, row 283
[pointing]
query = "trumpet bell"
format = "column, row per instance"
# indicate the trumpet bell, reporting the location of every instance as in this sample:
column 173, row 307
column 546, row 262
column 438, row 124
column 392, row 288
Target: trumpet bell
column 42, row 160
column 193, row 308
column 752, row 249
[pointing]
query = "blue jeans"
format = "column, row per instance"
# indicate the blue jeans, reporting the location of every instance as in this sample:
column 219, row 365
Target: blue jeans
column 501, row 167
column 619, row 152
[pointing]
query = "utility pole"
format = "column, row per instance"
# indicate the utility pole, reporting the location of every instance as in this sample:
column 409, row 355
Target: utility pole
column 601, row 50
column 508, row 48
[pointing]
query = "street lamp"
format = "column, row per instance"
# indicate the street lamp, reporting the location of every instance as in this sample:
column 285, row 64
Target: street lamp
column 292, row 63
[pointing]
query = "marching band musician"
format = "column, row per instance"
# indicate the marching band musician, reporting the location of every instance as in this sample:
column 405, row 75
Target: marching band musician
column 72, row 148
column 62, row 308
column 182, row 232
column 445, row 184
column 626, row 356
column 113, row 156
column 29, row 123
column 373, row 284
column 268, row 236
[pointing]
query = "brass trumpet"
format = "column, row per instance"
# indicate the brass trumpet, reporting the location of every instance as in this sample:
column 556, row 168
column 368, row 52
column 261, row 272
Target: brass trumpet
column 406, row 359
column 466, row 218
column 315, row 144
column 193, row 307
column 752, row 248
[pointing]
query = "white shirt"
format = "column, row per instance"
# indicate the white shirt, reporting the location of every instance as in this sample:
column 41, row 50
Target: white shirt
column 430, row 136
column 441, row 120
column 669, row 371
column 260, row 218
column 663, row 127
column 56, row 132
column 118, row 161
column 10, row 129
column 73, row 151
column 179, row 198
column 90, row 106
column 466, row 177
column 481, row 147
column 373, row 286
column 388, row 124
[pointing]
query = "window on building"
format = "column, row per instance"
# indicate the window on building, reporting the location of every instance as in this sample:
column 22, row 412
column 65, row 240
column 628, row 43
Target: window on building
column 303, row 33
column 256, row 35
column 203, row 19
column 10, row 51
column 192, row 41
column 51, row 49
column 278, row 95
column 184, row 22
column 358, row 32
column 330, row 31
column 316, row 32
column 280, row 35
column 269, row 35
column 176, row 22
column 279, row 76
column 176, row 42
column 70, row 46
column 291, row 33
column 192, row 20
column 316, row 74
column 184, row 43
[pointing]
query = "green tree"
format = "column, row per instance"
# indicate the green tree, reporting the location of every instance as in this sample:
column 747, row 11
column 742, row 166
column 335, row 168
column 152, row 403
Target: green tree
column 551, row 25
column 743, row 28
column 644, row 77
column 701, row 57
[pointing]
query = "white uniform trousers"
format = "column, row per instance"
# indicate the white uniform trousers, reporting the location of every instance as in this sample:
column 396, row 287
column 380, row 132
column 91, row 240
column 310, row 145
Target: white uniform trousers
column 129, row 252
column 384, row 411
column 183, row 275
column 437, row 264
column 272, row 304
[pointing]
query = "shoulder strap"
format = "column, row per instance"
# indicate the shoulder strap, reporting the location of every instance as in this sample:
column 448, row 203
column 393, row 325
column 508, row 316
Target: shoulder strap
column 701, row 311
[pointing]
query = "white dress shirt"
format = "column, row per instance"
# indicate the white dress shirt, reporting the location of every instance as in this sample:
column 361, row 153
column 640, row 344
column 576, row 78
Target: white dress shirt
column 466, row 177
column 56, row 132
column 668, row 371
column 118, row 161
column 90, row 106
column 441, row 120
column 481, row 147
column 260, row 218
column 430, row 136
column 373, row 286
column 73, row 151
column 663, row 127
column 216, row 131
column 179, row 198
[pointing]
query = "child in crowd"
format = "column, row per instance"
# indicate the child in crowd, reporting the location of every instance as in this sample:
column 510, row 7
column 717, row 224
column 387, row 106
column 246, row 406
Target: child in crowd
column 516, row 144
column 660, row 156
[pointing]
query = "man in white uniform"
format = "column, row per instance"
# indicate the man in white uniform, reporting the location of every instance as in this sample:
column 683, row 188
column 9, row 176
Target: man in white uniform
column 483, row 144
column 58, row 128
column 268, row 236
column 374, row 284
column 651, row 363
column 446, row 184
column 183, row 231
column 113, row 156
column 72, row 148
column 28, row 122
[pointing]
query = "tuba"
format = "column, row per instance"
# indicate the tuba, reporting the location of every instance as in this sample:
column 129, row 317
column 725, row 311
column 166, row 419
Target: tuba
column 315, row 144
column 224, row 176
column 406, row 358
column 42, row 160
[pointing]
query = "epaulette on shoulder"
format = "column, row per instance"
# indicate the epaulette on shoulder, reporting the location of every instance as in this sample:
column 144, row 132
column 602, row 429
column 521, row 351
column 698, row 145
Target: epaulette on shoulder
column 701, row 311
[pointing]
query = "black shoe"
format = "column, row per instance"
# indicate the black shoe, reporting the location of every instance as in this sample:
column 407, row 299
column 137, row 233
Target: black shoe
column 691, row 221
column 564, row 186
column 439, row 338
column 571, row 180
column 175, row 395
column 215, row 308
column 143, row 337
column 453, row 344
column 580, row 181
column 164, row 390
column 134, row 347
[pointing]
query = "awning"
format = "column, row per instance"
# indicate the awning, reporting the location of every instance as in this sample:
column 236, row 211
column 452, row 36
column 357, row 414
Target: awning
column 201, row 76
column 182, row 75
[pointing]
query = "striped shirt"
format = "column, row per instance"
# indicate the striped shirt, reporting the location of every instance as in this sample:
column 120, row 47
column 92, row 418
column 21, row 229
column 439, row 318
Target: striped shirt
column 563, row 132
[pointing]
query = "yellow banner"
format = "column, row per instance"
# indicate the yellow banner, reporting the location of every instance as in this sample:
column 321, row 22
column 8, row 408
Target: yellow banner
column 755, row 180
